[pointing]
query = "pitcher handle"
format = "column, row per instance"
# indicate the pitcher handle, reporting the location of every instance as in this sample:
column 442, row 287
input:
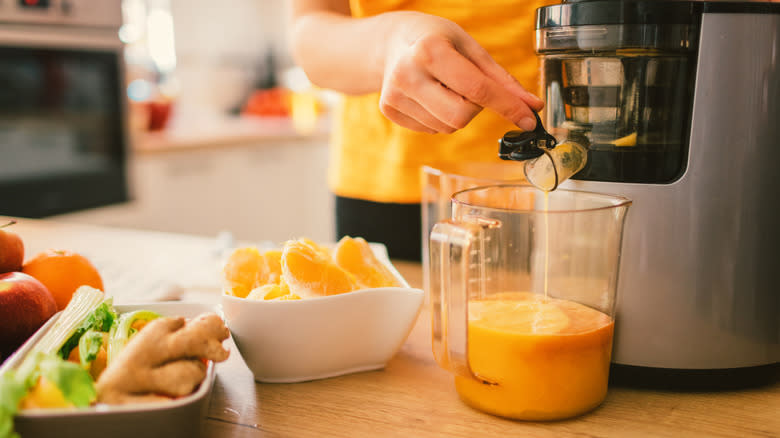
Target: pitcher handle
column 452, row 243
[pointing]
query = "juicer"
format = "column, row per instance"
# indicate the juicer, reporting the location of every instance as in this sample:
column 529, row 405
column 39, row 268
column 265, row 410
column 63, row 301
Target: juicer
column 678, row 105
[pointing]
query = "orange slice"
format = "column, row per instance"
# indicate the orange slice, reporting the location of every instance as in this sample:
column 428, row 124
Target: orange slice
column 322, row 250
column 273, row 261
column 243, row 271
column 355, row 256
column 248, row 269
column 285, row 288
column 272, row 292
column 265, row 292
column 309, row 271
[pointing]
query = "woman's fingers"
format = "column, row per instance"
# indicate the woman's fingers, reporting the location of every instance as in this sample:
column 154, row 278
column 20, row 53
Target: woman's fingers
column 414, row 110
column 448, row 107
column 441, row 78
column 439, row 57
column 404, row 120
column 482, row 59
column 438, row 117
column 413, row 92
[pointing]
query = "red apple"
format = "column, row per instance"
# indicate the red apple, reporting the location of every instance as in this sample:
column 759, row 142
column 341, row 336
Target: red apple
column 11, row 250
column 25, row 305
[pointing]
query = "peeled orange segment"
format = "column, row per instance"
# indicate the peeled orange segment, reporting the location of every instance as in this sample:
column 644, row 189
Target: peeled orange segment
column 355, row 256
column 525, row 315
column 273, row 263
column 265, row 292
column 304, row 269
column 274, row 291
column 309, row 271
column 268, row 292
column 285, row 288
column 238, row 290
column 247, row 269
column 322, row 250
column 243, row 271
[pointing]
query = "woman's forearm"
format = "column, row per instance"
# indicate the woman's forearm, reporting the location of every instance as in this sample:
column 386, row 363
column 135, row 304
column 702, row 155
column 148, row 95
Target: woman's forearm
column 340, row 52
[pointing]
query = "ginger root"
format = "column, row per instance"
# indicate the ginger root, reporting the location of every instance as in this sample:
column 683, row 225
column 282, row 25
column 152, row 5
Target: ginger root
column 164, row 360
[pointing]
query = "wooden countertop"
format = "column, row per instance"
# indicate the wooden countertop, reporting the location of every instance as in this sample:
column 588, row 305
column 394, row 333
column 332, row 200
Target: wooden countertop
column 413, row 397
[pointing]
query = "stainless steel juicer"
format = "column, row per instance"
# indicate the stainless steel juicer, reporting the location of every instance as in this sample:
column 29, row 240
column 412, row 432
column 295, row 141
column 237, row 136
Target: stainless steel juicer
column 678, row 104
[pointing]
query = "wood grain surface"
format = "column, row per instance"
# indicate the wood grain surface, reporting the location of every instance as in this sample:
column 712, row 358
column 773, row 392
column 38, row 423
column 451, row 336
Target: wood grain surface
column 413, row 397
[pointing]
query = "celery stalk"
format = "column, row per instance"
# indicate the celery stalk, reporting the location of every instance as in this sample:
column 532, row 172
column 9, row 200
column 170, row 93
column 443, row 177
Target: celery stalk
column 100, row 320
column 85, row 300
column 122, row 331
column 89, row 347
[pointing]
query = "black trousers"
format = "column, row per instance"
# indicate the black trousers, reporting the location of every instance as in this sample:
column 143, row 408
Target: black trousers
column 397, row 226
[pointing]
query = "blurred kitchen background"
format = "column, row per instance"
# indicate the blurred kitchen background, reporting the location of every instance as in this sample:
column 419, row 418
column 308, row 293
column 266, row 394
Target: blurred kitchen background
column 170, row 115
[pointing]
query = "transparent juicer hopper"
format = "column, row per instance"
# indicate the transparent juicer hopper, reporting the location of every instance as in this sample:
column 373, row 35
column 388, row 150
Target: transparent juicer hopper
column 624, row 92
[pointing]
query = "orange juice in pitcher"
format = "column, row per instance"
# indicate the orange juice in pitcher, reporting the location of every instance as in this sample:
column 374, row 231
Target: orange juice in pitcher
column 523, row 288
column 540, row 358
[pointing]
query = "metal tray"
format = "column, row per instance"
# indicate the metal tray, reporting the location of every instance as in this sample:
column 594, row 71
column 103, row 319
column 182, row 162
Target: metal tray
column 178, row 418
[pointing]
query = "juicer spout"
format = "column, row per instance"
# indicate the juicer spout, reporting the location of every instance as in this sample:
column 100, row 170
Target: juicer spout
column 526, row 145
column 545, row 165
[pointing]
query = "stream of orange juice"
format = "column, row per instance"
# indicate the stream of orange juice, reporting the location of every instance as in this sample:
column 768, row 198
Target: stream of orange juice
column 545, row 358
column 546, row 241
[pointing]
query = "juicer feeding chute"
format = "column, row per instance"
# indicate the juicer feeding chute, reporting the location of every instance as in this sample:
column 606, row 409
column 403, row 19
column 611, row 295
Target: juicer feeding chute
column 622, row 89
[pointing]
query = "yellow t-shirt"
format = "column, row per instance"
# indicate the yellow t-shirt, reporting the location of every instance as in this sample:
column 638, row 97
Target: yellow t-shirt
column 374, row 159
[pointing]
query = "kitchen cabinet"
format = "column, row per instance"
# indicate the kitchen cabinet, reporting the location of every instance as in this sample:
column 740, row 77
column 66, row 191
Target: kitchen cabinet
column 270, row 189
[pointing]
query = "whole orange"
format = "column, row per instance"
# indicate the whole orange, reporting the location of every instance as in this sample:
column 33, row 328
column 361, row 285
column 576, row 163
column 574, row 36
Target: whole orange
column 62, row 272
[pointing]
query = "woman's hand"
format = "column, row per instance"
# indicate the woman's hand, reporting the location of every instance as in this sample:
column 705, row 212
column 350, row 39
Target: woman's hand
column 437, row 78
column 433, row 76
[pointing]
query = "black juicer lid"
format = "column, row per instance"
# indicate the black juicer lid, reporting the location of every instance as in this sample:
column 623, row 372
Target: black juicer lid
column 601, row 12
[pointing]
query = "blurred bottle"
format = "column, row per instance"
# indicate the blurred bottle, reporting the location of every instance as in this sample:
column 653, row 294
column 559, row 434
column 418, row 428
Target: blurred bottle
column 307, row 101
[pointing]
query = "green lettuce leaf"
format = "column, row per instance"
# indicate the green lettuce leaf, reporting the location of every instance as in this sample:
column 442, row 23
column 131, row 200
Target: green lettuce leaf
column 89, row 346
column 100, row 320
column 74, row 382
column 12, row 390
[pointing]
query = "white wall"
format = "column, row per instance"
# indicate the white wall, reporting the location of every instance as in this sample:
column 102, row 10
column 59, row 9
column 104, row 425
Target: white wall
column 270, row 188
column 221, row 47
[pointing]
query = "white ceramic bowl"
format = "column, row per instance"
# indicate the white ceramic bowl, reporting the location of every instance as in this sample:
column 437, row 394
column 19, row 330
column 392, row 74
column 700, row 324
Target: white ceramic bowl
column 316, row 338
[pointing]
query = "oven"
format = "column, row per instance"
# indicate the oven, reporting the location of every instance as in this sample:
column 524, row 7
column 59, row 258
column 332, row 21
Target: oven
column 63, row 124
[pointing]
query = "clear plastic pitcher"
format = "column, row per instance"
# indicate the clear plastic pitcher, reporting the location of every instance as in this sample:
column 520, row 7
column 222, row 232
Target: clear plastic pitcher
column 439, row 185
column 523, row 287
